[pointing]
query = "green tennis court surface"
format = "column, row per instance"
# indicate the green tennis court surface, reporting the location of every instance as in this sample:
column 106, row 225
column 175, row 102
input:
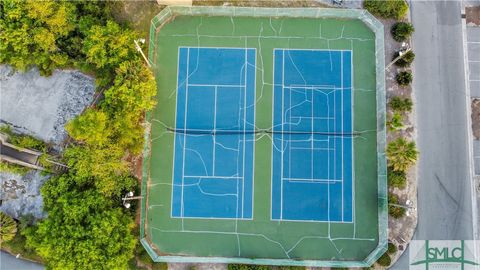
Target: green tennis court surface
column 264, row 146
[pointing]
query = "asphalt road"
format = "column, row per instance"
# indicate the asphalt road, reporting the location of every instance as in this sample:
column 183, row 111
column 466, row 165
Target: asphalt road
column 9, row 262
column 444, row 176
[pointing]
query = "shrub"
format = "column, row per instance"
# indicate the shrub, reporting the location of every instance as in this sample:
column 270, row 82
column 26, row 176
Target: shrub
column 392, row 248
column 401, row 31
column 406, row 59
column 83, row 229
column 384, row 260
column 395, row 122
column 8, row 228
column 401, row 154
column 401, row 105
column 393, row 210
column 404, row 78
column 13, row 168
column 90, row 127
column 396, row 179
column 395, row 9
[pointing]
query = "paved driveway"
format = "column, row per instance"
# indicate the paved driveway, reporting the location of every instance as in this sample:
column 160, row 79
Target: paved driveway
column 444, row 177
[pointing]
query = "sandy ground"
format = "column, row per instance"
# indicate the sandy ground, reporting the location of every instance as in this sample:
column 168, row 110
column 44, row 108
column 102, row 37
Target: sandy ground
column 40, row 106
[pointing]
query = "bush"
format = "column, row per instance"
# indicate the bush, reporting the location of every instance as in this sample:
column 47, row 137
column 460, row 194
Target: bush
column 395, row 9
column 83, row 229
column 401, row 154
column 8, row 228
column 401, row 31
column 393, row 210
column 404, row 78
column 395, row 122
column 90, row 127
column 384, row 260
column 406, row 59
column 401, row 105
column 396, row 179
column 26, row 141
column 13, row 168
column 392, row 249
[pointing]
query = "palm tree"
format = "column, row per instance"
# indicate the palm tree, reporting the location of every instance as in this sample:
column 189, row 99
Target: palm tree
column 401, row 154
column 8, row 228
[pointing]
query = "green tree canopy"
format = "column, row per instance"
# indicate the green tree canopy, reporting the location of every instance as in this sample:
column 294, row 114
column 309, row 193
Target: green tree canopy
column 8, row 228
column 107, row 46
column 401, row 154
column 90, row 127
column 83, row 230
column 133, row 90
column 395, row 9
column 102, row 166
column 29, row 30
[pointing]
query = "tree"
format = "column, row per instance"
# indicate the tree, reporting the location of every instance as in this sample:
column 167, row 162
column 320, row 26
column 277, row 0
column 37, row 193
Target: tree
column 401, row 105
column 90, row 127
column 397, row 179
column 392, row 248
column 401, row 154
column 401, row 31
column 406, row 60
column 395, row 9
column 404, row 78
column 103, row 167
column 133, row 89
column 394, row 210
column 30, row 30
column 8, row 228
column 384, row 260
column 395, row 122
column 107, row 46
column 83, row 230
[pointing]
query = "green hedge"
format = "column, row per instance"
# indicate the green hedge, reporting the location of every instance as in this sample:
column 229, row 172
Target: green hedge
column 397, row 179
column 406, row 60
column 394, row 9
column 401, row 31
column 401, row 105
column 404, row 78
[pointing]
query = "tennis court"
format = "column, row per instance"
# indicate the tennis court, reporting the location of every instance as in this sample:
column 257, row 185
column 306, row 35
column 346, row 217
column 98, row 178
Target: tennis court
column 312, row 153
column 266, row 144
column 213, row 171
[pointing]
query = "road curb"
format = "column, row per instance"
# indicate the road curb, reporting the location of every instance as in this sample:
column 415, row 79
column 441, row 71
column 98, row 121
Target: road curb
column 468, row 101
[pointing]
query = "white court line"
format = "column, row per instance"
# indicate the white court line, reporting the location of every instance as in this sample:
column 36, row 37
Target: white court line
column 184, row 134
column 244, row 127
column 343, row 139
column 312, row 180
column 283, row 111
column 174, row 137
column 214, row 128
column 216, row 85
column 212, row 177
column 312, row 128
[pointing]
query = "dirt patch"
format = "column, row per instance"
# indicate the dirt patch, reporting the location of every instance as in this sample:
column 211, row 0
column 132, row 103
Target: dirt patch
column 473, row 15
column 137, row 14
column 476, row 118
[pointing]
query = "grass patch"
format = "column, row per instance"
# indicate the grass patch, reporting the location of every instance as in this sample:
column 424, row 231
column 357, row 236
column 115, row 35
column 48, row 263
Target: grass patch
column 13, row 168
column 18, row 246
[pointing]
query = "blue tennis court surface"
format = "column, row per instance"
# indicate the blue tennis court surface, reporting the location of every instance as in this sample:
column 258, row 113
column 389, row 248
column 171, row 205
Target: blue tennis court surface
column 213, row 174
column 312, row 173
